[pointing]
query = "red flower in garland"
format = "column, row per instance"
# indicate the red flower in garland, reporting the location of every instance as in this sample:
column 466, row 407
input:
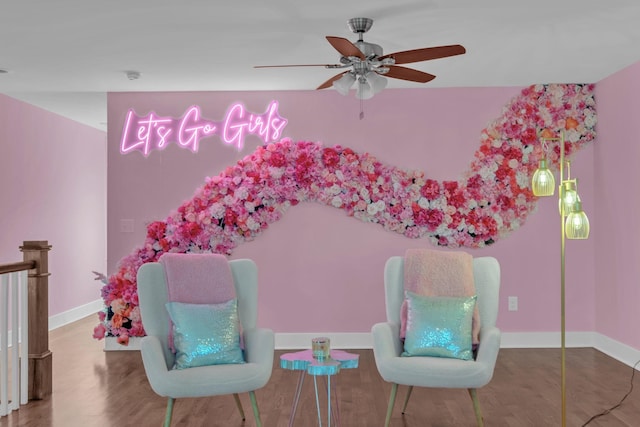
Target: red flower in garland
column 430, row 189
column 156, row 230
column 330, row 158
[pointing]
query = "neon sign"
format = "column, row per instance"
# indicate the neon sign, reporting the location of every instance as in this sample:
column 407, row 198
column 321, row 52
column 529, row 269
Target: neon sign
column 154, row 132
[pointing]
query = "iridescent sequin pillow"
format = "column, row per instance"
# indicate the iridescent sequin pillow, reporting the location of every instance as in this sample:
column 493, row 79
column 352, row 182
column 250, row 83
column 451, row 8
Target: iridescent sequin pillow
column 439, row 326
column 205, row 334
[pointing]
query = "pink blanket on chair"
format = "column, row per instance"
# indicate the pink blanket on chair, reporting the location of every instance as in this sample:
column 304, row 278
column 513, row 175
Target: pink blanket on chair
column 439, row 273
column 197, row 279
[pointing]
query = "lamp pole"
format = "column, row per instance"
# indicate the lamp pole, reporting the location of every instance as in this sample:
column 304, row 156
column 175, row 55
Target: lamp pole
column 562, row 208
column 574, row 224
column 563, row 380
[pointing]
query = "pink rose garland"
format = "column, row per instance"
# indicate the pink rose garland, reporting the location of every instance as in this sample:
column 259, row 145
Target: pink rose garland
column 490, row 200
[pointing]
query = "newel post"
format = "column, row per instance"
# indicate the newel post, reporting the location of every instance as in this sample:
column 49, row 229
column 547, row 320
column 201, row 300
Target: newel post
column 40, row 357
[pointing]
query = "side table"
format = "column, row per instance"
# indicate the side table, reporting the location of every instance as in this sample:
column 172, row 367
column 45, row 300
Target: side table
column 304, row 362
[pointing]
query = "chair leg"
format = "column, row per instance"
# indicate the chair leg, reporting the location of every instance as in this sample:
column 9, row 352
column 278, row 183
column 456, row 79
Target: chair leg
column 406, row 399
column 239, row 405
column 476, row 406
column 392, row 400
column 256, row 411
column 169, row 412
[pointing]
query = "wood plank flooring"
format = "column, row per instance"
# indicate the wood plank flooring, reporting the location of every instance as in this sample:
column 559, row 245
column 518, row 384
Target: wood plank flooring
column 109, row 389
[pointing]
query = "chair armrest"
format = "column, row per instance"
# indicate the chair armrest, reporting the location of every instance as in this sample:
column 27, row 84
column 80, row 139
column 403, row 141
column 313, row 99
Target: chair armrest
column 156, row 364
column 386, row 341
column 489, row 346
column 259, row 345
column 153, row 355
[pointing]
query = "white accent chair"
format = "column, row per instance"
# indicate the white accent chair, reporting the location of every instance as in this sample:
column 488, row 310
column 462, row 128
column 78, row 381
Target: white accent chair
column 204, row 380
column 437, row 372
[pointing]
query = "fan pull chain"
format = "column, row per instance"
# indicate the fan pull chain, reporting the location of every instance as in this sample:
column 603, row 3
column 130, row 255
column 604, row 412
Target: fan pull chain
column 361, row 109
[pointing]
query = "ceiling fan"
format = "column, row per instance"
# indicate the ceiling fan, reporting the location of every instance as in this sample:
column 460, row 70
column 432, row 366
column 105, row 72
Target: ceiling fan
column 367, row 64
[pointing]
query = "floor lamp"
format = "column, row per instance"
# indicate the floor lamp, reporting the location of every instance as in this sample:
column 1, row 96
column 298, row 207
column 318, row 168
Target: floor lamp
column 574, row 224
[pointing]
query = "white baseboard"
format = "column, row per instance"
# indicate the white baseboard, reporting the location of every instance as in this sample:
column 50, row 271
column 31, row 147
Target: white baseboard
column 342, row 340
column 363, row 340
column 77, row 313
column 619, row 351
column 283, row 341
column 545, row 339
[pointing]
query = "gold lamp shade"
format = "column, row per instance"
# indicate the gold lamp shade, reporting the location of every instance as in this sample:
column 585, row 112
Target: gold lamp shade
column 568, row 196
column 577, row 223
column 543, row 183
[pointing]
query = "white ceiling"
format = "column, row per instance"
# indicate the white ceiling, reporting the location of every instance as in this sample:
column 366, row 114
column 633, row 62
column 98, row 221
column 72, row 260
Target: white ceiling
column 65, row 55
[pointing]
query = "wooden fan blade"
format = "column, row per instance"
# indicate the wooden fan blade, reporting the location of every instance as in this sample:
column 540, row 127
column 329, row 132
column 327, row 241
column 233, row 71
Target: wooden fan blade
column 329, row 82
column 404, row 73
column 425, row 54
column 299, row 65
column 345, row 47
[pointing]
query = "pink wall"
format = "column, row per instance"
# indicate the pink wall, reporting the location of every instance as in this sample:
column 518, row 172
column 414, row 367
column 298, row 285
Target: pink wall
column 53, row 187
column 616, row 169
column 319, row 269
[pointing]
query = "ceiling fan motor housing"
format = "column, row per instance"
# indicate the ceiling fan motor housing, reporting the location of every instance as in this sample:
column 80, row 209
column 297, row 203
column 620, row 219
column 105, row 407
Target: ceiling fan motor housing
column 369, row 49
column 360, row 25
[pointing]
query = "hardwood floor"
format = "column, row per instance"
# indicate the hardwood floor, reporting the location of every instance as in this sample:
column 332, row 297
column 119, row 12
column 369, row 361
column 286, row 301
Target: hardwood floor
column 108, row 389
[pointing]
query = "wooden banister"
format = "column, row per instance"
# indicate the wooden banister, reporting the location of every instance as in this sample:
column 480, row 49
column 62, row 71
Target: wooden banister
column 35, row 253
column 17, row 266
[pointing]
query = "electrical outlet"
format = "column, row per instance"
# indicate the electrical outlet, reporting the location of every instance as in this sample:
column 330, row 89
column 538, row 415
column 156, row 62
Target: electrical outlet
column 126, row 226
column 513, row 303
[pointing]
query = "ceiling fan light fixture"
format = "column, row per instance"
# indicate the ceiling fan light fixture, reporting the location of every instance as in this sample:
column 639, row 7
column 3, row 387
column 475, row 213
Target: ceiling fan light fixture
column 376, row 81
column 364, row 89
column 344, row 83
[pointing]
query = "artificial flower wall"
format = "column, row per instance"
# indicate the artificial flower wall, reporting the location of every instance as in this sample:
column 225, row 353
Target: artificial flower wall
column 489, row 201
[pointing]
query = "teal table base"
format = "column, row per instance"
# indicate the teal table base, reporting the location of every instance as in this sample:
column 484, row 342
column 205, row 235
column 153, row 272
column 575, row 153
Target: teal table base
column 304, row 362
